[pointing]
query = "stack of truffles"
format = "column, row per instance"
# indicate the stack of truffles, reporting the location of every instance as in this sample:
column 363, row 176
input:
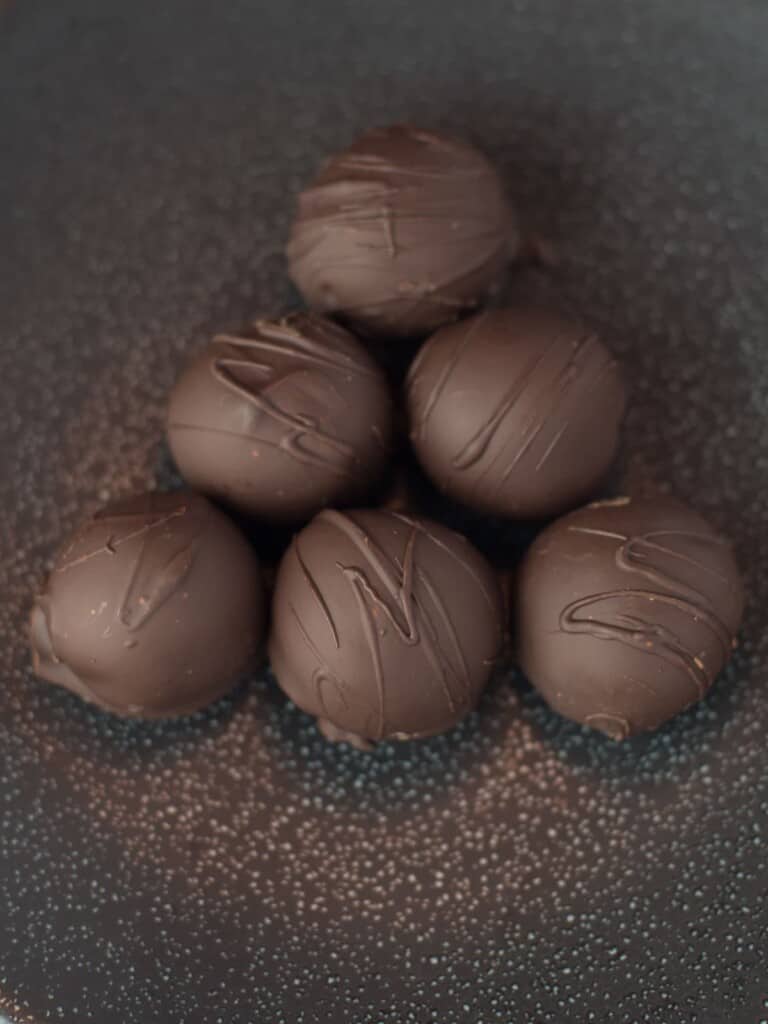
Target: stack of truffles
column 384, row 624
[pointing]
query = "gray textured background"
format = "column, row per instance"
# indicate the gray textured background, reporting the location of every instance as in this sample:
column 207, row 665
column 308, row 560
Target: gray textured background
column 233, row 867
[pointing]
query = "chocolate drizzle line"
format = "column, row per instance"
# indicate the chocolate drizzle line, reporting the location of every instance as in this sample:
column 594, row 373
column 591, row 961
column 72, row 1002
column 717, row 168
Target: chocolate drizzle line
column 548, row 402
column 381, row 587
column 143, row 522
column 322, row 674
column 287, row 342
column 156, row 572
column 152, row 581
column 448, row 551
column 634, row 555
column 317, row 594
column 439, row 387
column 242, row 358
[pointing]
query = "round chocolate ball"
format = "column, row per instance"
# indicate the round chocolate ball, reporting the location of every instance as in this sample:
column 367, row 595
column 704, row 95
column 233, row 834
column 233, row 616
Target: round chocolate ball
column 402, row 232
column 515, row 412
column 152, row 608
column 384, row 625
column 627, row 610
column 282, row 420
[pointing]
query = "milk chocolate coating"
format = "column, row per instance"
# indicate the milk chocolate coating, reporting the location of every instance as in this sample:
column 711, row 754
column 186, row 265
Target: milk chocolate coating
column 402, row 232
column 627, row 610
column 278, row 422
column 152, row 608
column 384, row 625
column 515, row 412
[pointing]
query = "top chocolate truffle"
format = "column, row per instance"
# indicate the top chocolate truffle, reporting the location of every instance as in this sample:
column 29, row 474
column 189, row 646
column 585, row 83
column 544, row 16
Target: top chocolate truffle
column 401, row 233
column 279, row 421
column 515, row 412
column 151, row 609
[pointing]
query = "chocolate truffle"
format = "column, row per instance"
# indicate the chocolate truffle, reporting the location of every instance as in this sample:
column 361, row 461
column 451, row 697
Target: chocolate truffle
column 152, row 608
column 402, row 232
column 289, row 417
column 627, row 610
column 384, row 626
column 515, row 412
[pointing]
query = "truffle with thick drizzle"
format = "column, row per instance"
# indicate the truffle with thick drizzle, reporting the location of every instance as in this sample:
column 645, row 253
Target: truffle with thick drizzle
column 516, row 412
column 281, row 420
column 626, row 612
column 384, row 625
column 402, row 232
column 151, row 609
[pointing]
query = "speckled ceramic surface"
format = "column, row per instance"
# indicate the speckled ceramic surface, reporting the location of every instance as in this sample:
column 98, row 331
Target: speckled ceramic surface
column 235, row 867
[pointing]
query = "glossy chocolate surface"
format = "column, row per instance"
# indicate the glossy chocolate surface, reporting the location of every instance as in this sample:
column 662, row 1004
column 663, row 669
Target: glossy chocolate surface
column 279, row 421
column 151, row 609
column 627, row 610
column 402, row 232
column 516, row 412
column 384, row 625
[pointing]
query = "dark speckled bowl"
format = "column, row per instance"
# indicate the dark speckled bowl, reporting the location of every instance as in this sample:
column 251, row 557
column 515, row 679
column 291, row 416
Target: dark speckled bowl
column 233, row 866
